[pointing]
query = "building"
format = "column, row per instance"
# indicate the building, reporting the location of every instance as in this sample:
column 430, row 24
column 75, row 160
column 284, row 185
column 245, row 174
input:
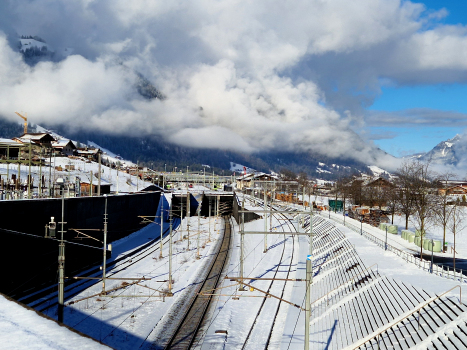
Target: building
column 41, row 139
column 65, row 147
column 458, row 191
column 9, row 149
column 89, row 153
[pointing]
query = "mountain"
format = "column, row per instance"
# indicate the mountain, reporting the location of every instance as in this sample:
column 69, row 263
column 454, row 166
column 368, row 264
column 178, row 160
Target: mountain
column 450, row 152
column 35, row 49
column 160, row 154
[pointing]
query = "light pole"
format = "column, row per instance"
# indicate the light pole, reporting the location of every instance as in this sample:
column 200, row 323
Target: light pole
column 431, row 267
column 386, row 243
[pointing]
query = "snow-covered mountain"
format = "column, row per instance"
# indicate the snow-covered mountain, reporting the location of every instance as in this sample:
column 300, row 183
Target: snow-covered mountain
column 450, row 152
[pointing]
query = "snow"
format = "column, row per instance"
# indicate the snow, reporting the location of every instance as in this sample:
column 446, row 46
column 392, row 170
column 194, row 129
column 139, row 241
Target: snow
column 23, row 328
column 136, row 316
column 106, row 151
column 27, row 43
column 377, row 171
column 240, row 168
column 319, row 170
column 121, row 182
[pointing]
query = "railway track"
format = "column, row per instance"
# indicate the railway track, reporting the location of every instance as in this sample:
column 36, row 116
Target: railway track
column 187, row 330
column 47, row 298
column 263, row 315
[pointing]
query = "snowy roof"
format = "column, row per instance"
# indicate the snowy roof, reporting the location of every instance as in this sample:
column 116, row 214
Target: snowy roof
column 36, row 137
column 8, row 142
column 95, row 182
column 254, row 176
column 88, row 151
column 62, row 143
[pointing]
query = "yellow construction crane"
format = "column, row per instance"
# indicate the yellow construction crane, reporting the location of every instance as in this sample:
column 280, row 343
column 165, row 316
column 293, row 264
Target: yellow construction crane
column 25, row 121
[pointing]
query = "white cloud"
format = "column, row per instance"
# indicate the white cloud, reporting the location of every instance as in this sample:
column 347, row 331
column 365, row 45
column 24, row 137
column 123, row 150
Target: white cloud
column 237, row 74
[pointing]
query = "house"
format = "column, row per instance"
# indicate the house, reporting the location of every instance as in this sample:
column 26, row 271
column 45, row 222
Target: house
column 255, row 180
column 89, row 153
column 42, row 139
column 85, row 187
column 458, row 190
column 64, row 146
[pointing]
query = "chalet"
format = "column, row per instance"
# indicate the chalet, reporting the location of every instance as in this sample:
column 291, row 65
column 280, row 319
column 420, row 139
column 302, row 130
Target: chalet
column 89, row 153
column 457, row 191
column 65, row 147
column 41, row 139
column 85, row 186
column 378, row 182
column 254, row 180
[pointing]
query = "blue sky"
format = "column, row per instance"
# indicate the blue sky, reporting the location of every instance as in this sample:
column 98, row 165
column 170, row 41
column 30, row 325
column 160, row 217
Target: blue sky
column 411, row 138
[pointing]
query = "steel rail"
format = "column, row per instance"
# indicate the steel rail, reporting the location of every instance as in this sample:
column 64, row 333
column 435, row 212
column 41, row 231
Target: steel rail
column 267, row 294
column 188, row 327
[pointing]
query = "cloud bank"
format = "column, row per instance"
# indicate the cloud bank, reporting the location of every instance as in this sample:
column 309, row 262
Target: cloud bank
column 239, row 75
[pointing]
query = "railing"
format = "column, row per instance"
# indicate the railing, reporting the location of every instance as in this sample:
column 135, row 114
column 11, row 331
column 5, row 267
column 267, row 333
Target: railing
column 410, row 313
column 442, row 271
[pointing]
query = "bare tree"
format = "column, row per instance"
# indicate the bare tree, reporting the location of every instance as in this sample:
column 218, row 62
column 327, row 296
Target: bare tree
column 456, row 224
column 392, row 200
column 404, row 195
column 355, row 191
column 288, row 174
column 442, row 209
column 417, row 182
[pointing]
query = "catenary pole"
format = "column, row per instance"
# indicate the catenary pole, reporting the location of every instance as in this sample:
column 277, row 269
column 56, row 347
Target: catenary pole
column 265, row 221
column 104, row 264
column 61, row 263
column 170, row 253
column 309, row 280
column 242, row 230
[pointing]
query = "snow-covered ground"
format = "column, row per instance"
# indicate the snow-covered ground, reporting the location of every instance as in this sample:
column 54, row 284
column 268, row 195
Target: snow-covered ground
column 120, row 181
column 432, row 232
column 22, row 328
column 138, row 316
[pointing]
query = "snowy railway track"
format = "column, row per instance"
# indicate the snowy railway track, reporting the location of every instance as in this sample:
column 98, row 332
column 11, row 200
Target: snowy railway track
column 186, row 332
column 46, row 299
column 263, row 315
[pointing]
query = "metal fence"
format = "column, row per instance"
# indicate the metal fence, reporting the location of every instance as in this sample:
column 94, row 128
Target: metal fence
column 442, row 271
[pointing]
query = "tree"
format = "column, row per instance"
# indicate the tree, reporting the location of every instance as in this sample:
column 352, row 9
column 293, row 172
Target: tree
column 355, row 191
column 391, row 194
column 303, row 179
column 404, row 195
column 456, row 224
column 288, row 174
column 442, row 209
column 417, row 188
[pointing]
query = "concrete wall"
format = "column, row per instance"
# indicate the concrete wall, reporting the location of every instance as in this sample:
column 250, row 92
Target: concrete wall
column 31, row 216
column 29, row 261
column 237, row 207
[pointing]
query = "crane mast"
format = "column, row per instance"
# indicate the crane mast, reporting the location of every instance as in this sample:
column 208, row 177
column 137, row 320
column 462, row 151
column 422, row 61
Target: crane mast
column 25, row 122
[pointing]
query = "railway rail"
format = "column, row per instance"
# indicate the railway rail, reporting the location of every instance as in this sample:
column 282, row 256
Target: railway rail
column 262, row 316
column 47, row 297
column 186, row 331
